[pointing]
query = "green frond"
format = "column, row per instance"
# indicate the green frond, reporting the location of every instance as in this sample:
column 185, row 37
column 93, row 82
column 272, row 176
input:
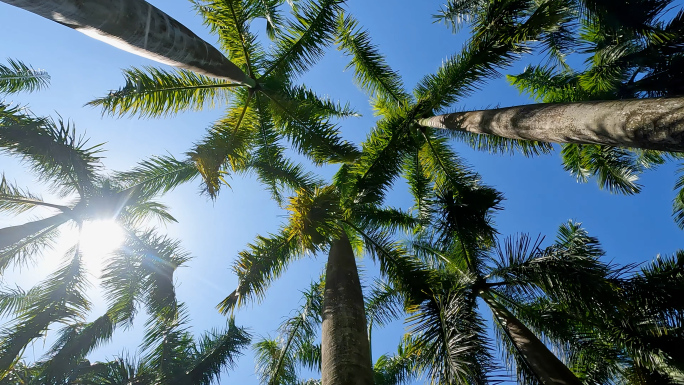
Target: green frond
column 278, row 360
column 157, row 175
column 498, row 40
column 442, row 165
column 499, row 145
column 268, row 10
column 17, row 76
column 386, row 219
column 309, row 132
column 53, row 150
column 380, row 162
column 397, row 369
column 384, row 304
column 421, row 187
column 401, row 270
column 615, row 169
column 153, row 92
column 230, row 20
column 217, row 350
column 451, row 339
column 226, row 147
column 17, row 300
column 168, row 346
column 314, row 218
column 455, row 13
column 272, row 167
column 303, row 40
column 263, row 262
column 314, row 105
column 546, row 86
column 371, row 73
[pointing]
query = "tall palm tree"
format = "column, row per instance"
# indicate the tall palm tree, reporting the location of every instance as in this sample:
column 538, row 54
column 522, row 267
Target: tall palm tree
column 279, row 359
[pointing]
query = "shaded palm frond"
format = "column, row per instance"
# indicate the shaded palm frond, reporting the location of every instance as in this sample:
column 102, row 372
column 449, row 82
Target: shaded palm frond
column 217, row 350
column 17, row 76
column 53, row 150
column 614, row 168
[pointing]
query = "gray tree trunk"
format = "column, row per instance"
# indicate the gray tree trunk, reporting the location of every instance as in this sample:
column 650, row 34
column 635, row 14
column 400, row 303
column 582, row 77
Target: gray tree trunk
column 13, row 234
column 345, row 350
column 655, row 124
column 547, row 367
column 138, row 27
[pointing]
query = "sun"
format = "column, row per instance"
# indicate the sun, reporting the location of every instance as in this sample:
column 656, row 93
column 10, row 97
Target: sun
column 100, row 238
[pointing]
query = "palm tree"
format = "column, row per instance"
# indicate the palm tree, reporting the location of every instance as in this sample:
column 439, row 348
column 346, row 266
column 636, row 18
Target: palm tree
column 278, row 360
column 495, row 44
column 142, row 271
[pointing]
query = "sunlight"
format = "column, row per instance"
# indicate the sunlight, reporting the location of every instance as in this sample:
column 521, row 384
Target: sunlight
column 99, row 238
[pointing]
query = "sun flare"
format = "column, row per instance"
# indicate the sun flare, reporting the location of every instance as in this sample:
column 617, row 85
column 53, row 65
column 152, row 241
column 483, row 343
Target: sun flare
column 99, row 238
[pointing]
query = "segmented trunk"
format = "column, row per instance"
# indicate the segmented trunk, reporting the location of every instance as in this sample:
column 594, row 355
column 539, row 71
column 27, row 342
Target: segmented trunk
column 655, row 124
column 138, row 27
column 13, row 234
column 546, row 366
column 345, row 349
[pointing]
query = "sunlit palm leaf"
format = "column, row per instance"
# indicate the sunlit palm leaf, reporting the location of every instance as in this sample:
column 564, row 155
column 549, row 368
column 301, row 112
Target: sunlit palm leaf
column 153, row 92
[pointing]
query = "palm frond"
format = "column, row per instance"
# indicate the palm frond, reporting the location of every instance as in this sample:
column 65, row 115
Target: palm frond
column 371, row 73
column 310, row 132
column 217, row 351
column 74, row 343
column 451, row 340
column 53, row 150
column 258, row 266
column 229, row 19
column 153, row 92
column 157, row 175
column 303, row 40
column 61, row 299
column 17, row 76
column 398, row 369
column 15, row 200
column 614, row 168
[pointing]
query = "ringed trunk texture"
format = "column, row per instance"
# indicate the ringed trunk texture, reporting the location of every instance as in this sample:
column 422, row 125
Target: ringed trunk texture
column 13, row 234
column 654, row 124
column 140, row 28
column 546, row 366
column 345, row 349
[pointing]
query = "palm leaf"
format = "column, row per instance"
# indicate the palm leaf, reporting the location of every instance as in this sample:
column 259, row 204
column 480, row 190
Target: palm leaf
column 17, row 76
column 153, row 92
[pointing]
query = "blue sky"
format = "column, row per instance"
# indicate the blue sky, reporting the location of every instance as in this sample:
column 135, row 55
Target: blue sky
column 539, row 194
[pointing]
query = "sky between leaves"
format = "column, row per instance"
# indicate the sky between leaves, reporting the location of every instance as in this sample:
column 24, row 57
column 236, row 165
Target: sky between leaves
column 539, row 194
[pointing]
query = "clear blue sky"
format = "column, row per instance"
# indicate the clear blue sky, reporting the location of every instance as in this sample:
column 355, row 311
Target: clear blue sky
column 540, row 195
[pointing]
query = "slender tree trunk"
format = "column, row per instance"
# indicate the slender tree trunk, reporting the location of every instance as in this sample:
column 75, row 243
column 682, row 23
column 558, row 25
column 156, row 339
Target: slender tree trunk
column 345, row 349
column 548, row 368
column 138, row 27
column 13, row 234
column 655, row 124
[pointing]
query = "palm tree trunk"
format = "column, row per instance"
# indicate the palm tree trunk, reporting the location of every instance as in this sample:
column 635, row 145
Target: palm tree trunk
column 655, row 124
column 345, row 349
column 138, row 27
column 547, row 367
column 13, row 234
